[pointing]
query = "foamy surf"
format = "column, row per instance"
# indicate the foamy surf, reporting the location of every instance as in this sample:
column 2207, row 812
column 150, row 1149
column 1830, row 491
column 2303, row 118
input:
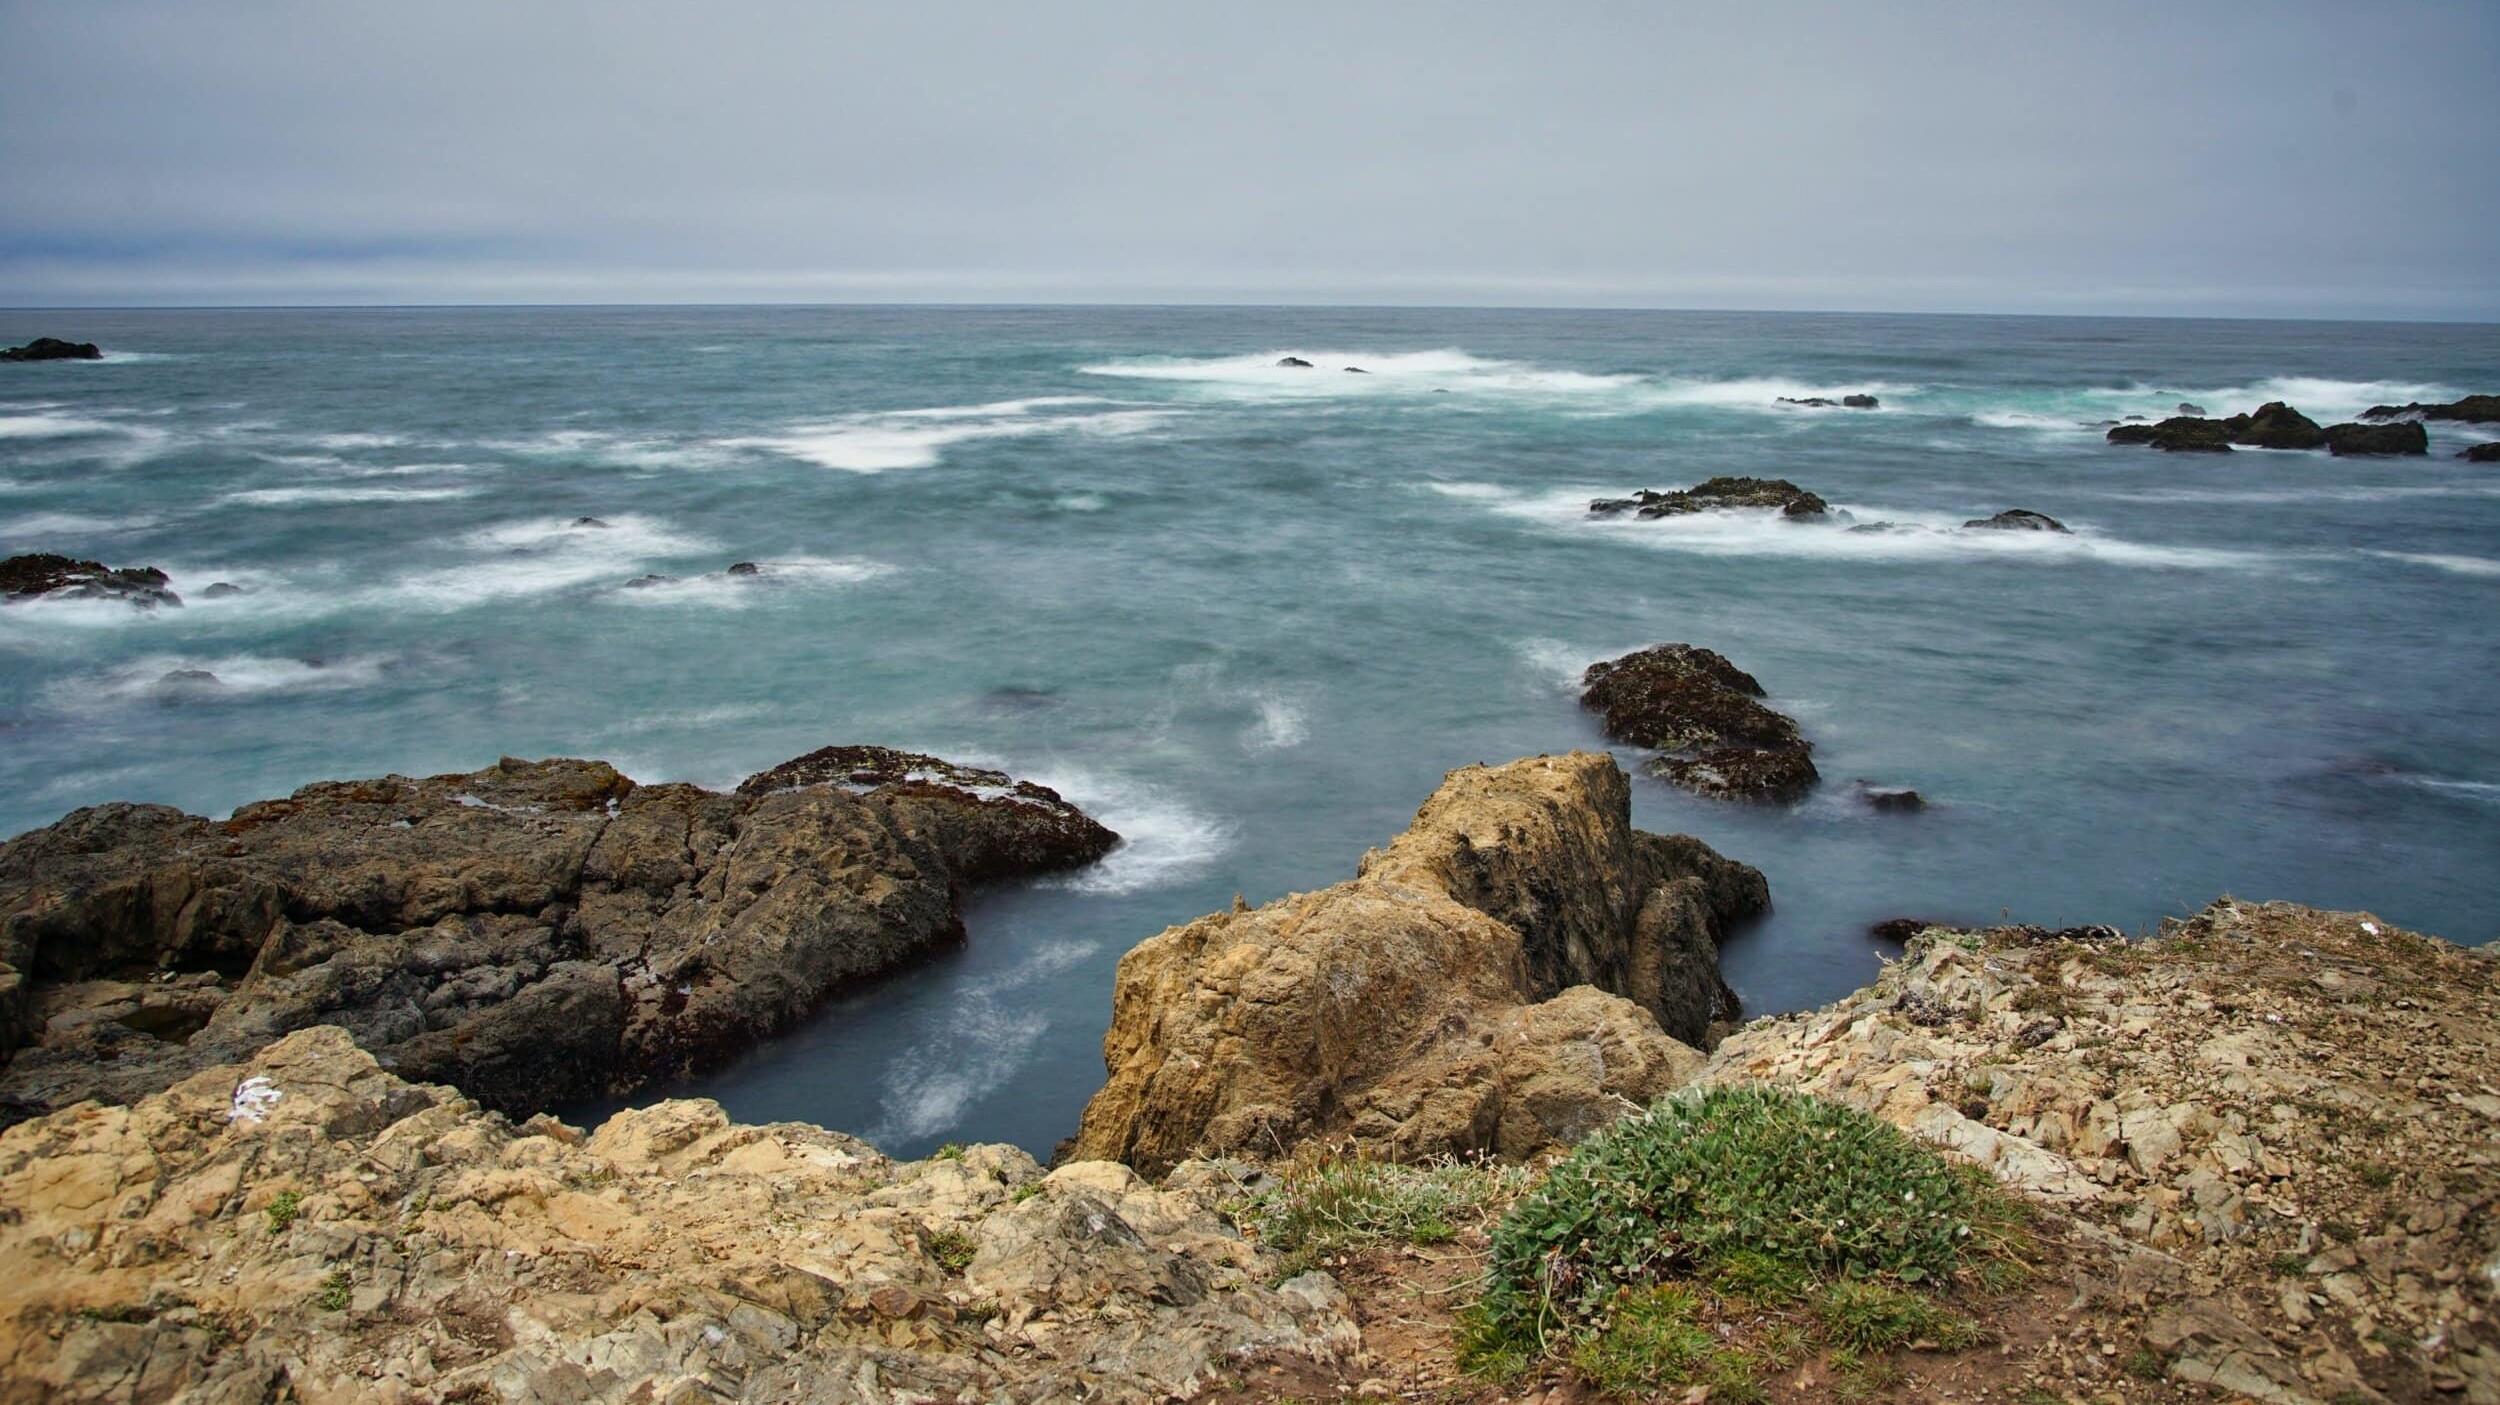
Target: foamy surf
column 772, row 580
column 985, row 1037
column 2481, row 566
column 1163, row 841
column 222, row 678
column 305, row 497
column 903, row 439
column 537, row 557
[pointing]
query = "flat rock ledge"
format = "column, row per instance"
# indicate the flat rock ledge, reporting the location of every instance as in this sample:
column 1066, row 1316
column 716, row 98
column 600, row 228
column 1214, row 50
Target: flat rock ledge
column 535, row 933
column 2281, row 1124
column 306, row 1226
column 1518, row 969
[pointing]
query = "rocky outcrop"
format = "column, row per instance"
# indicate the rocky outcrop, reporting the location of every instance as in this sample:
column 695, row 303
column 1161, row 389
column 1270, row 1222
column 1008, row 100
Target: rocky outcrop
column 53, row 349
column 2018, row 519
column 1706, row 716
column 2276, row 426
column 308, row 1226
column 1824, row 402
column 2473, row 409
column 2481, row 453
column 2401, row 437
column 1517, row 969
column 1293, row 363
column 1717, row 494
column 2277, row 1124
column 45, row 574
column 534, row 933
column 2180, row 434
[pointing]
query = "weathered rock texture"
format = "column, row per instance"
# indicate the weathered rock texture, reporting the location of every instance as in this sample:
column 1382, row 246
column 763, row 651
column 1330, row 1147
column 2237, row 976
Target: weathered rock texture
column 1715, row 495
column 2283, row 1123
column 2402, row 437
column 2473, row 409
column 1706, row 718
column 534, row 933
column 46, row 574
column 309, row 1227
column 1517, row 969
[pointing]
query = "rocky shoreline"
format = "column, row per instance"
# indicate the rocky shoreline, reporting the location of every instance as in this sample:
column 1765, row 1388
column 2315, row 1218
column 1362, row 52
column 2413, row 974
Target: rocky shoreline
column 2260, row 1154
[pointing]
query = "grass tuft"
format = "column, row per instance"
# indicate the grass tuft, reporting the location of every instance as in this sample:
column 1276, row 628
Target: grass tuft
column 1322, row 1206
column 283, row 1208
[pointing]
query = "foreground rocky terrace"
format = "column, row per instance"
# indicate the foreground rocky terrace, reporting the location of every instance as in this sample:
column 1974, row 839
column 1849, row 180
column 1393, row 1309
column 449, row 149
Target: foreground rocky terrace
column 2261, row 1156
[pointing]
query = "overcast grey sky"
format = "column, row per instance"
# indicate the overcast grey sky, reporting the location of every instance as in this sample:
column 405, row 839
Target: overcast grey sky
column 2270, row 159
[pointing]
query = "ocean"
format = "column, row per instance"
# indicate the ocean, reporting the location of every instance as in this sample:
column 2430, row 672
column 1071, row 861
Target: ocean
column 1248, row 615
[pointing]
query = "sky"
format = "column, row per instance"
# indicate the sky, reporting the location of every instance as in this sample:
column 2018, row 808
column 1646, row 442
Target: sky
column 2273, row 158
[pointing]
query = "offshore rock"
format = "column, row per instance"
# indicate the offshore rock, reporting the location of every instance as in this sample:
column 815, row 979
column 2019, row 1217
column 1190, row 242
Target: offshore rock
column 1516, row 970
column 2276, row 426
column 1714, row 495
column 308, row 1226
column 536, row 932
column 53, row 349
column 47, row 574
column 2018, row 519
column 2186, row 434
column 2402, row 437
column 1294, row 363
column 2279, row 1122
column 2481, row 453
column 1706, row 717
column 2473, row 409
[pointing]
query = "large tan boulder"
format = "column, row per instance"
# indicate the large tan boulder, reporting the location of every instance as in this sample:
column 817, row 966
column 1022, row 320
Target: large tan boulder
column 1517, row 969
column 309, row 1227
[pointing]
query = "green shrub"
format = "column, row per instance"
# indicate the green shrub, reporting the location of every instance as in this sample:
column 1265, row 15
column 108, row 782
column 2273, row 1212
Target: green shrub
column 283, row 1208
column 1760, row 1188
column 953, row 1249
column 337, row 1291
column 1324, row 1206
column 1653, row 1339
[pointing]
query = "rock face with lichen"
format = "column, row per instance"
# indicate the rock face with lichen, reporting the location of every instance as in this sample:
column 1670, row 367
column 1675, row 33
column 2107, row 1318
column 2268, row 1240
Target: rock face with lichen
column 534, row 933
column 2279, row 1125
column 1706, row 719
column 307, row 1226
column 1516, row 970
column 1717, row 495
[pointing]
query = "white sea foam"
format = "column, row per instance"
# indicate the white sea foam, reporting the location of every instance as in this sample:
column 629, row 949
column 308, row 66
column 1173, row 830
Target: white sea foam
column 1162, row 840
column 537, row 557
column 158, row 677
column 292, row 497
column 1766, row 393
column 45, row 525
column 1258, row 375
column 2454, row 565
column 721, row 591
column 46, row 425
column 900, row 439
column 2485, row 791
column 2324, row 493
column 1556, row 663
column 1283, row 720
column 345, row 442
column 1902, row 536
column 986, row 1034
column 617, row 451
column 1471, row 492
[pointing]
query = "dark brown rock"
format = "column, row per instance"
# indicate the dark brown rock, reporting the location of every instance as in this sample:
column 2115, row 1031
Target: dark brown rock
column 53, row 349
column 2178, row 434
column 2481, row 453
column 536, row 932
column 2473, row 409
column 2276, row 426
column 1705, row 717
column 1715, row 495
column 44, row 573
column 2018, row 519
column 2401, row 437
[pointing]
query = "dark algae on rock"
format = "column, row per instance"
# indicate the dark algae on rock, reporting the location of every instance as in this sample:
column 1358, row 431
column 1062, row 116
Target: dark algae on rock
column 533, row 933
column 2276, row 425
column 47, row 574
column 1705, row 717
column 1713, row 495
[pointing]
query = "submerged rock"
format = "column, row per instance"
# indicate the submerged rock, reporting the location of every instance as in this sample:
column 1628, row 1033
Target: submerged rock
column 47, row 574
column 53, row 349
column 536, row 932
column 2401, row 437
column 1713, row 495
column 1890, row 800
column 1296, row 362
column 220, row 590
column 2018, row 519
column 307, row 1225
column 1705, row 716
column 1518, row 969
column 1356, row 371
column 2473, row 409
column 745, row 568
column 2185, row 408
column 1820, row 402
column 588, row 522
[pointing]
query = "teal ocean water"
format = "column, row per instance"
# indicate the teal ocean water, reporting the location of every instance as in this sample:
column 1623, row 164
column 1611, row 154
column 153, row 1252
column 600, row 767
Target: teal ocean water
column 1249, row 615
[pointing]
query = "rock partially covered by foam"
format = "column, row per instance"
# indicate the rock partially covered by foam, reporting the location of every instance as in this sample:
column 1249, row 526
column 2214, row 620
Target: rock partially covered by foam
column 2481, row 453
column 1516, row 970
column 535, row 932
column 2018, row 519
column 1715, row 495
column 46, row 574
column 1706, row 718
column 53, row 349
column 308, row 1225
